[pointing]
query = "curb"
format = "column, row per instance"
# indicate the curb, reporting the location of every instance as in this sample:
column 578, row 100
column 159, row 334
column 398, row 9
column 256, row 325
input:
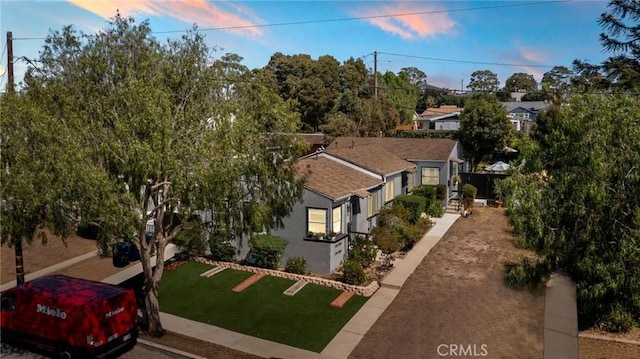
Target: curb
column 603, row 337
column 169, row 349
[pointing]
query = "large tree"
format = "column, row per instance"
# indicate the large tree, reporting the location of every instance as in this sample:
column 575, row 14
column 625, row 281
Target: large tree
column 483, row 81
column 521, row 81
column 167, row 136
column 484, row 127
column 622, row 38
column 402, row 92
column 581, row 213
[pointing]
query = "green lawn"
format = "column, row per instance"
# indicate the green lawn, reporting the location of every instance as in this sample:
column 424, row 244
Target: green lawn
column 306, row 320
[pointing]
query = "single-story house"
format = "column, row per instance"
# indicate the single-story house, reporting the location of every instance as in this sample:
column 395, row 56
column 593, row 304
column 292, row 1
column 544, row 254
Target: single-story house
column 443, row 118
column 340, row 201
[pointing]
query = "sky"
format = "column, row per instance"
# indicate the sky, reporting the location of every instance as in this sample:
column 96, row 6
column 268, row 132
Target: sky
column 447, row 40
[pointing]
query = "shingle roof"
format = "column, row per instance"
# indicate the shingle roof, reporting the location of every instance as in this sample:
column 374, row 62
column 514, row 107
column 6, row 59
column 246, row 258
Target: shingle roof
column 333, row 179
column 442, row 110
column 426, row 149
column 372, row 157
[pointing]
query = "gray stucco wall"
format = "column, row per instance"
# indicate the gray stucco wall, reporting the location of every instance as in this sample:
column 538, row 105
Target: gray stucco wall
column 322, row 257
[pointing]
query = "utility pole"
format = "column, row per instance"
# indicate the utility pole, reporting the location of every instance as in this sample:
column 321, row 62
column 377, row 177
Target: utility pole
column 10, row 61
column 17, row 244
column 375, row 74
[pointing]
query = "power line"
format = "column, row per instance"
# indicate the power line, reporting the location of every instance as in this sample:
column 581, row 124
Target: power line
column 370, row 17
column 291, row 23
column 466, row 61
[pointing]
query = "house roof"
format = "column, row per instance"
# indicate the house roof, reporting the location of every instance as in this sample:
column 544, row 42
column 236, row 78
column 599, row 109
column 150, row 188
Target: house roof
column 420, row 149
column 333, row 179
column 314, row 138
column 527, row 105
column 372, row 157
column 442, row 110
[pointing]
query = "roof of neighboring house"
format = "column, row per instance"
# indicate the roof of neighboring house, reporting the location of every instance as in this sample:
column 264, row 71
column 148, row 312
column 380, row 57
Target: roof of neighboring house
column 314, row 138
column 421, row 149
column 442, row 110
column 372, row 157
column 333, row 179
column 527, row 105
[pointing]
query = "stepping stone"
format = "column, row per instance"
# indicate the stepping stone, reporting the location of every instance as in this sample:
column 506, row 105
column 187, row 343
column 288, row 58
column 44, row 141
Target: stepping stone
column 342, row 299
column 295, row 288
column 248, row 282
column 213, row 271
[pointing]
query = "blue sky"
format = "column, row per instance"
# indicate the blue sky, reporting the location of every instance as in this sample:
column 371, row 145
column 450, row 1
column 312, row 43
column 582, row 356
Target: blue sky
column 447, row 40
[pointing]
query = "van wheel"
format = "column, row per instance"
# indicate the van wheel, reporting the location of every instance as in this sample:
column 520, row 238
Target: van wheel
column 64, row 352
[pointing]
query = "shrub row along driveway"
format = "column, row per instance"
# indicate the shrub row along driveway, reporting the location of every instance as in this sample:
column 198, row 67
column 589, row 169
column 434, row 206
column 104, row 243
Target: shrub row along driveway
column 456, row 301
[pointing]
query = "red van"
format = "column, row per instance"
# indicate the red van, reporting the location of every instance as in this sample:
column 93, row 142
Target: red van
column 69, row 316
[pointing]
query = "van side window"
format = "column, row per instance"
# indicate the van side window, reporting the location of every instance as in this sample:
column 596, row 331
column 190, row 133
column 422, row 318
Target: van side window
column 8, row 303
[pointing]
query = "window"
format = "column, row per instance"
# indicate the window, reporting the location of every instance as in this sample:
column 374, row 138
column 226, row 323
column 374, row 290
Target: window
column 430, row 175
column 389, row 188
column 317, row 220
column 410, row 181
column 372, row 204
column 337, row 220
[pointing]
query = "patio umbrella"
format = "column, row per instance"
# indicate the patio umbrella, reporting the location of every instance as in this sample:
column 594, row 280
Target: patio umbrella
column 498, row 167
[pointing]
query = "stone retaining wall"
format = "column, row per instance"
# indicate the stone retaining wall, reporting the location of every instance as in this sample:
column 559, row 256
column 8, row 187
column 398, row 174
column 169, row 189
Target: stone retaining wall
column 359, row 290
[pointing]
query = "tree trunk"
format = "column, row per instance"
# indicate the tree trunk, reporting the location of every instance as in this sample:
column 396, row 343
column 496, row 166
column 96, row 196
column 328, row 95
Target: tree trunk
column 19, row 263
column 152, row 277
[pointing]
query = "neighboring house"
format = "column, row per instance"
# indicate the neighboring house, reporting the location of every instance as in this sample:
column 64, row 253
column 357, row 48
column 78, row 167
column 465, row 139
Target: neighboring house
column 443, row 118
column 316, row 141
column 523, row 114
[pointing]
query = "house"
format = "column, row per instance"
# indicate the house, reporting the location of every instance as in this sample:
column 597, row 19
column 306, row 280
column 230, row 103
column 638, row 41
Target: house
column 335, row 203
column 523, row 114
column 443, row 118
column 349, row 182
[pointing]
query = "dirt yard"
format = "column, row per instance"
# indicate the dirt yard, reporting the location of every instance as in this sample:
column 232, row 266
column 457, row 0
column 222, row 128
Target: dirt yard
column 456, row 297
column 37, row 256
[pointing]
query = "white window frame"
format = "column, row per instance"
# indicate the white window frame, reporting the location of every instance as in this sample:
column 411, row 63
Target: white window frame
column 336, row 214
column 314, row 224
column 431, row 179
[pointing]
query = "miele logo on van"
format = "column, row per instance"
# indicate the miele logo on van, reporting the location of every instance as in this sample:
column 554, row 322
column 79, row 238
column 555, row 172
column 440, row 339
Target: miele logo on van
column 54, row 312
column 114, row 312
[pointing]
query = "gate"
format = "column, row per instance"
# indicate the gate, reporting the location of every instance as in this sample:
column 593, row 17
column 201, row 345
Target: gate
column 483, row 182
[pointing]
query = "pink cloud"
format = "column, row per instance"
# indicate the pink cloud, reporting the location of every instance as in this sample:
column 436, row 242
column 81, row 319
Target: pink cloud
column 201, row 12
column 409, row 26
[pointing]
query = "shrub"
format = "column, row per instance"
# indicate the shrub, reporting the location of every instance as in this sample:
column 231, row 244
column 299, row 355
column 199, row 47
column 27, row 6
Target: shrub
column 435, row 209
column 353, row 273
column 363, row 251
column 413, row 205
column 408, row 235
column 296, row 265
column 385, row 240
column 469, row 193
column 617, row 320
column 428, row 192
column 441, row 192
column 267, row 250
column 192, row 239
column 526, row 274
column 424, row 224
column 221, row 248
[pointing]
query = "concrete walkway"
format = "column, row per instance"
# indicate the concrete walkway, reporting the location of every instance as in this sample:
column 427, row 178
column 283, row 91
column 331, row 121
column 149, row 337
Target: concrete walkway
column 560, row 319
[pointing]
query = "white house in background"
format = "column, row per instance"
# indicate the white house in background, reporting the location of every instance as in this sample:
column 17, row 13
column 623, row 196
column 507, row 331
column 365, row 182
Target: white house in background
column 443, row 118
